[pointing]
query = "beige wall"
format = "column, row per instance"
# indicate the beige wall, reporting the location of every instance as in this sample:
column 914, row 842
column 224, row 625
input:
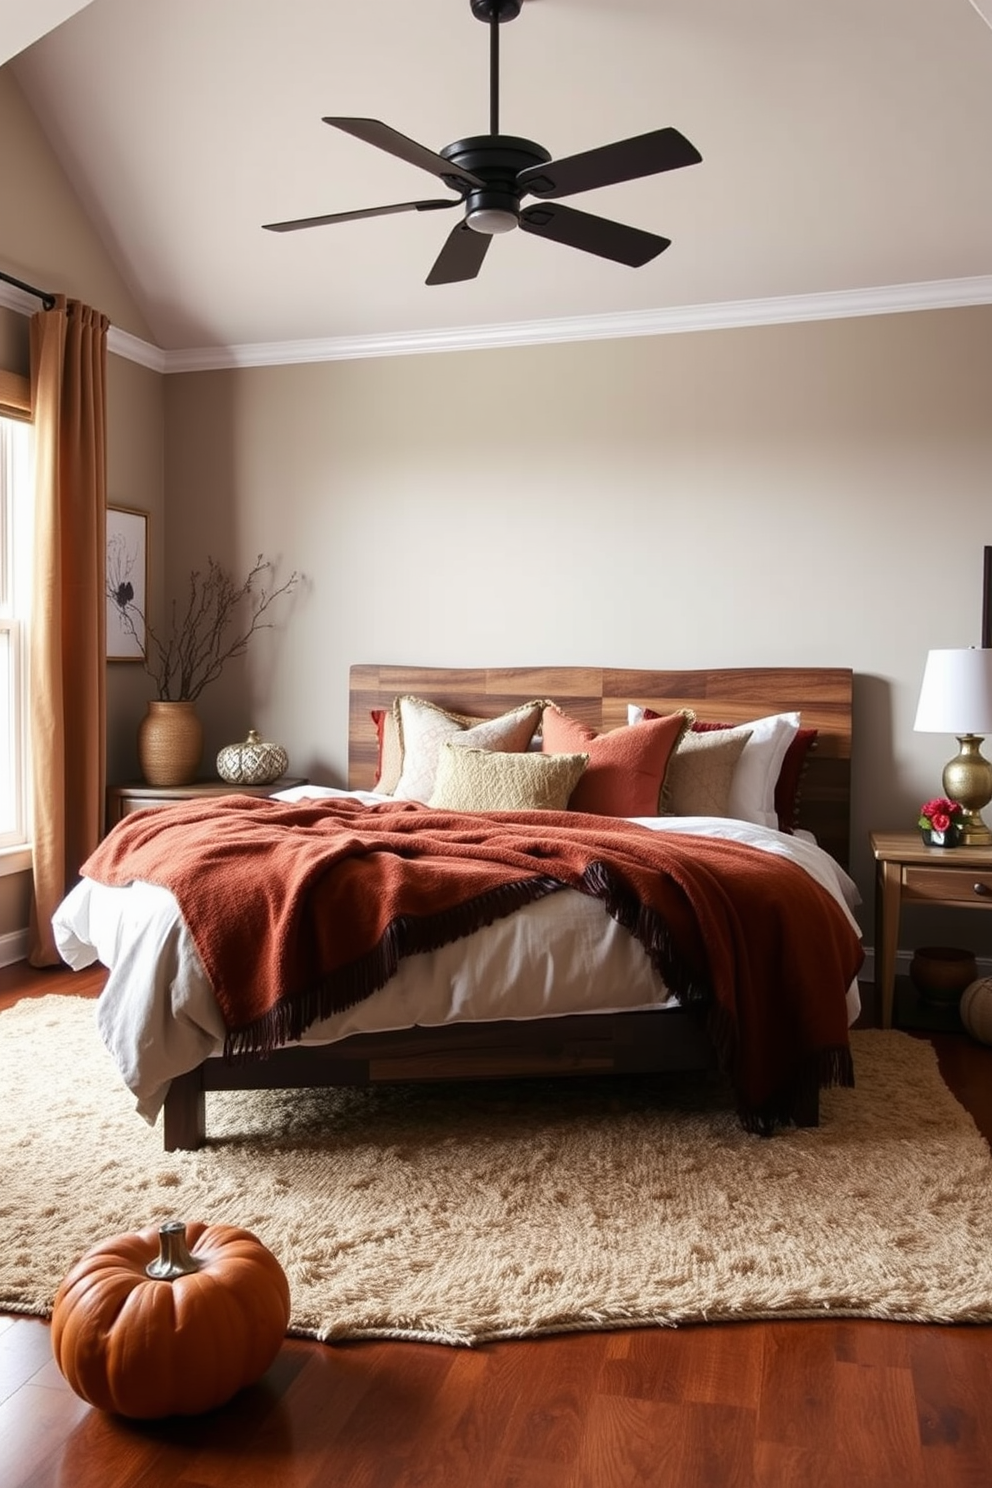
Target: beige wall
column 15, row 898
column 751, row 496
column 47, row 240
column 135, row 479
column 14, row 355
column 805, row 494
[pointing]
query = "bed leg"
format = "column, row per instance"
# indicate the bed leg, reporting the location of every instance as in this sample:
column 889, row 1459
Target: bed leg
column 185, row 1113
column 807, row 1106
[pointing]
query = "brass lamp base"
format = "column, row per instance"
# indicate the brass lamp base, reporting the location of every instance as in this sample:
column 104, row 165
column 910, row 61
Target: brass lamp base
column 974, row 832
column 967, row 778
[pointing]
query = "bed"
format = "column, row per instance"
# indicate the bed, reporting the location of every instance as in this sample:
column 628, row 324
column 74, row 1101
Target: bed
column 605, row 1009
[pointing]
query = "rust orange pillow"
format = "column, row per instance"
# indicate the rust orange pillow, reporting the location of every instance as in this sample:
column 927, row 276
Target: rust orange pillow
column 625, row 775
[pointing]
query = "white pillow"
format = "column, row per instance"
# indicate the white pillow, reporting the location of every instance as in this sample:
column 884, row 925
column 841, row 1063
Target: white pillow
column 752, row 791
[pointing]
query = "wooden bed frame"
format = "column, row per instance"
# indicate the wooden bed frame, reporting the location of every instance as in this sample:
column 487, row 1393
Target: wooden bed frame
column 631, row 1042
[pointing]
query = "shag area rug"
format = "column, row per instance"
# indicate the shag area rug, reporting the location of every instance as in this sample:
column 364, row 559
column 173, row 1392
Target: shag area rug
column 459, row 1214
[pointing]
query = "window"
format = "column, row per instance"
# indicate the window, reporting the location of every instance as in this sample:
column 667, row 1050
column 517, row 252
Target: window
column 15, row 576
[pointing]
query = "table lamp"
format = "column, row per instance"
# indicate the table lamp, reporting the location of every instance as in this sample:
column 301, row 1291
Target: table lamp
column 956, row 698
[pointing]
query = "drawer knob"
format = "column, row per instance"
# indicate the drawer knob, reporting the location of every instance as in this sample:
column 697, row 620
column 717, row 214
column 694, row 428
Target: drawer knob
column 982, row 889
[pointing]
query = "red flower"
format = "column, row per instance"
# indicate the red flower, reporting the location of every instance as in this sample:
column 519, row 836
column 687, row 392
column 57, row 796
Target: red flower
column 939, row 814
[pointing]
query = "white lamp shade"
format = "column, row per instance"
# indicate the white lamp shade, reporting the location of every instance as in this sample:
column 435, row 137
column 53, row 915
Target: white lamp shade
column 956, row 694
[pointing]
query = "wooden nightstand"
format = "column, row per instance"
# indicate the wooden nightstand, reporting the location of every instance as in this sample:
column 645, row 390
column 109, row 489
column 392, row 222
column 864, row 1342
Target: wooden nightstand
column 124, row 798
column 908, row 872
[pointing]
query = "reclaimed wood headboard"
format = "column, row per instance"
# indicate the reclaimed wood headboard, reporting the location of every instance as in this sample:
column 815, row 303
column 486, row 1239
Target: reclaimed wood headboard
column 599, row 696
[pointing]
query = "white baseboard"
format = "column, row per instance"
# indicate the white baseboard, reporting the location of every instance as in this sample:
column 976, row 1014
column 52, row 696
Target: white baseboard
column 13, row 947
column 903, row 958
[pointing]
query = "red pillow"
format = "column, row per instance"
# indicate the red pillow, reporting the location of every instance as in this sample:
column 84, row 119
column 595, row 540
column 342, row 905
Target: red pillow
column 627, row 765
column 790, row 777
column 790, row 774
column 378, row 716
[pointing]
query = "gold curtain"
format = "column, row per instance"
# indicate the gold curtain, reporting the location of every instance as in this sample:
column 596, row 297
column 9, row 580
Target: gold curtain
column 68, row 619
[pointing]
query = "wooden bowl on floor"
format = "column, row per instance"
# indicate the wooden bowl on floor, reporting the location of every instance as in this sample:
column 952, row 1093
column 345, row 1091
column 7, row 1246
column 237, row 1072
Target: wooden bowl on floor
column 941, row 973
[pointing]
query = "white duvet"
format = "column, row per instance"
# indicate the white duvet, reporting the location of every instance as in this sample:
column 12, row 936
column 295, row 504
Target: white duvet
column 563, row 954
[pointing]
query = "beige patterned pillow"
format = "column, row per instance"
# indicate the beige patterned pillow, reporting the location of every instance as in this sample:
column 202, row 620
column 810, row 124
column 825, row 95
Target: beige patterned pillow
column 477, row 780
column 391, row 745
column 424, row 727
column 701, row 772
column 390, row 755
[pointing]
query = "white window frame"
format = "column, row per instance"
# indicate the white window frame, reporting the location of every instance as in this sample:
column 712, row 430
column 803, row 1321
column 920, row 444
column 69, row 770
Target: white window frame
column 16, row 485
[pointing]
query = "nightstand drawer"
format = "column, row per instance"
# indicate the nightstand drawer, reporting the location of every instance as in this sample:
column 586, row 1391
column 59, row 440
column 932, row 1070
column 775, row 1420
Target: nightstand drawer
column 948, row 885
column 122, row 799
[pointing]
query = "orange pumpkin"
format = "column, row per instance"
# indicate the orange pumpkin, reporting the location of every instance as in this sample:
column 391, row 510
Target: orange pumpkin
column 170, row 1321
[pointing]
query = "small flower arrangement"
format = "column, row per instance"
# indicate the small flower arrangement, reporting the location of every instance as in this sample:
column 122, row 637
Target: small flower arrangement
column 940, row 815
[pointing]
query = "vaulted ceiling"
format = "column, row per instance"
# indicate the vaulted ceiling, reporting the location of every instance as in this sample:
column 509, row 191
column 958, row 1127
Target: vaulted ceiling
column 846, row 147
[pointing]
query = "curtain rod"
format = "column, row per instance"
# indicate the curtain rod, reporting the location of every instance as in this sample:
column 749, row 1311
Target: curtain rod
column 48, row 300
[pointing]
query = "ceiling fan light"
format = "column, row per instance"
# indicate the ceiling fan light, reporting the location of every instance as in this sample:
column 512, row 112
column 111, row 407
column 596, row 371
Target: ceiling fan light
column 491, row 220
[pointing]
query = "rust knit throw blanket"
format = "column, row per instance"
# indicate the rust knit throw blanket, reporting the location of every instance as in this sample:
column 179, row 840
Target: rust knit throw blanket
column 300, row 909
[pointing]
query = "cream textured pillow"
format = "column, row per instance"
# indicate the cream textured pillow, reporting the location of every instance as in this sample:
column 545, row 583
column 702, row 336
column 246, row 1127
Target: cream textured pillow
column 701, row 773
column 390, row 763
column 477, row 780
column 424, row 727
column 390, row 754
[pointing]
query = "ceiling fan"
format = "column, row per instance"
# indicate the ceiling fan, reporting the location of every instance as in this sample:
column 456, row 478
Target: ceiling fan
column 492, row 173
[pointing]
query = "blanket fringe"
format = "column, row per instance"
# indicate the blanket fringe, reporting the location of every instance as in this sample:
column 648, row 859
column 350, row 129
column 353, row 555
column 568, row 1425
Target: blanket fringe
column 647, row 926
column 828, row 1067
column 407, row 935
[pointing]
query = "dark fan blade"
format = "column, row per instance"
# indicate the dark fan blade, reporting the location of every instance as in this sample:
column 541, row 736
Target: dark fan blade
column 394, row 143
column 644, row 155
column 626, row 245
column 461, row 257
column 418, row 206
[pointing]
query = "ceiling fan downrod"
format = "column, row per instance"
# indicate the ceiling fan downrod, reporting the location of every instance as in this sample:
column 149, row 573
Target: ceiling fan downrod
column 494, row 12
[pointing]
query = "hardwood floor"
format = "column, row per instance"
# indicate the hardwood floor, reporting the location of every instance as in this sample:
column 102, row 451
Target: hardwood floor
column 825, row 1404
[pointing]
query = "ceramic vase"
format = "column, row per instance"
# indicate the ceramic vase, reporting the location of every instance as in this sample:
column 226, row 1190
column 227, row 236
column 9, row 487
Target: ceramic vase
column 170, row 743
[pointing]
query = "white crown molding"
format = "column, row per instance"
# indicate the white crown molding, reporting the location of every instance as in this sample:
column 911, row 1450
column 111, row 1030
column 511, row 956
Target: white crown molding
column 984, row 10
column 941, row 294
column 133, row 349
column 120, row 343
column 938, row 295
column 16, row 299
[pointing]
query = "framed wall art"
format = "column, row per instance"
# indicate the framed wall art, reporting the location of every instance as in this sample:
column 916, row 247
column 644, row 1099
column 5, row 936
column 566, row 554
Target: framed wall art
column 987, row 599
column 127, row 583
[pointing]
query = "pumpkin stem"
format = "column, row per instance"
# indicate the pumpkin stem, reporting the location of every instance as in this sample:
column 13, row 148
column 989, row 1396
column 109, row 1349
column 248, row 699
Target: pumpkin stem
column 174, row 1258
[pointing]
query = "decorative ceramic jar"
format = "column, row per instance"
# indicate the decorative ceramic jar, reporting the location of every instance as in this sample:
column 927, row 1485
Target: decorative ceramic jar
column 941, row 973
column 253, row 762
column 170, row 743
